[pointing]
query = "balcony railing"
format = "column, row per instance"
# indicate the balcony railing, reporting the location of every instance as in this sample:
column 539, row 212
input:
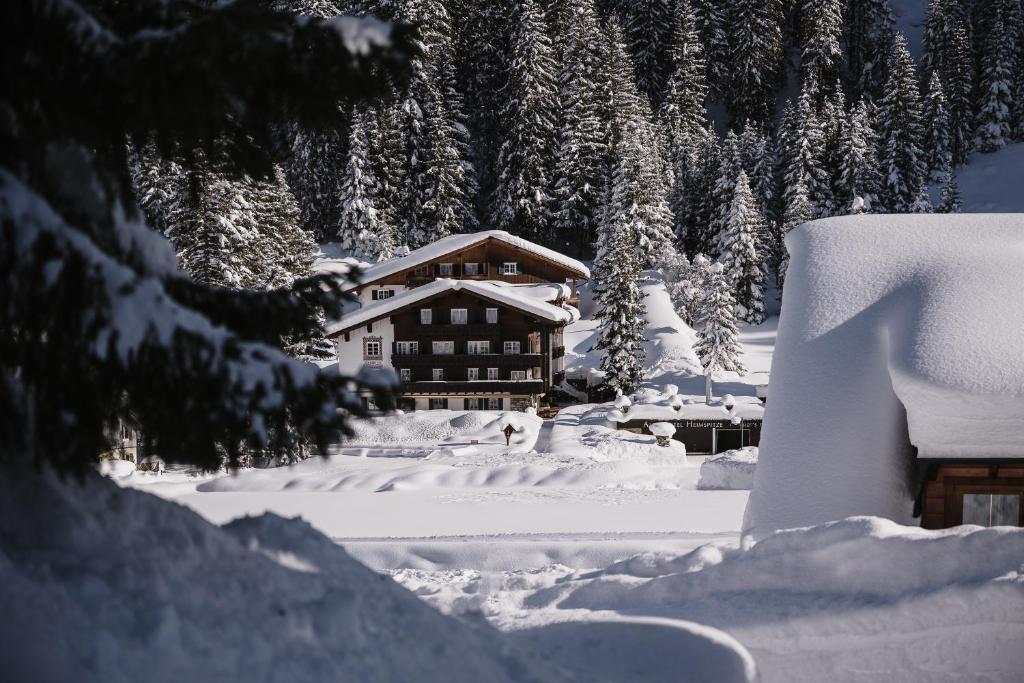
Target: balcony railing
column 475, row 329
column 509, row 361
column 526, row 386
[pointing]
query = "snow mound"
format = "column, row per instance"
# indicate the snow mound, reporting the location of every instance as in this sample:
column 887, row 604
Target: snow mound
column 107, row 584
column 731, row 470
column 895, row 331
column 422, row 428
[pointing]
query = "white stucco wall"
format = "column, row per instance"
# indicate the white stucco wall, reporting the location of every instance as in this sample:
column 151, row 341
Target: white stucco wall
column 350, row 353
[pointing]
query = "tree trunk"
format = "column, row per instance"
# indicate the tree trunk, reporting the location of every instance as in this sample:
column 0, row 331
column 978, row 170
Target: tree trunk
column 707, row 387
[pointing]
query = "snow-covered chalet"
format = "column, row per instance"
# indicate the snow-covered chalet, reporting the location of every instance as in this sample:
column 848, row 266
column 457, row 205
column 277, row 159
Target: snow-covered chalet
column 898, row 375
column 471, row 321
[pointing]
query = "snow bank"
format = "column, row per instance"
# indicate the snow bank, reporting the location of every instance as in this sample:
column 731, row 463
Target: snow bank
column 731, row 470
column 895, row 330
column 107, row 584
column 423, row 428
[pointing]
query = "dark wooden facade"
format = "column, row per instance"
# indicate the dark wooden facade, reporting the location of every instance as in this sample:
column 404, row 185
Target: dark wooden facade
column 946, row 485
column 489, row 257
column 539, row 348
column 705, row 437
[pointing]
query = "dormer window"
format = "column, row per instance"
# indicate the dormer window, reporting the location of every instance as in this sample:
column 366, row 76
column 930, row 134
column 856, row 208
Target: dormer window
column 444, row 269
column 509, row 268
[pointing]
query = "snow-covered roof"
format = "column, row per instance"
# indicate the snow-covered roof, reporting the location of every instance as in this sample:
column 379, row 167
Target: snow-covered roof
column 670, row 405
column 886, row 314
column 532, row 299
column 446, row 245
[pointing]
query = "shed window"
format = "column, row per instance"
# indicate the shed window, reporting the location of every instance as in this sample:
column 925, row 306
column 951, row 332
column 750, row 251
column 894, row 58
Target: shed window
column 992, row 509
column 494, row 404
column 444, row 269
column 510, row 268
column 470, row 268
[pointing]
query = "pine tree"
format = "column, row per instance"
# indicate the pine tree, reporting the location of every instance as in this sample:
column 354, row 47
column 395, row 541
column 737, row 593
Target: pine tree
column 740, row 258
column 522, row 202
column 822, row 26
column 710, row 18
column 718, row 346
column 361, row 230
column 798, row 211
column 648, row 28
column 993, row 120
column 859, row 180
column 94, row 293
column 755, row 58
column 729, row 166
column 869, row 26
column 936, row 127
column 959, row 91
column 388, row 154
column 682, row 280
column 805, row 157
column 621, row 308
column 950, row 195
column 899, row 125
column 582, row 146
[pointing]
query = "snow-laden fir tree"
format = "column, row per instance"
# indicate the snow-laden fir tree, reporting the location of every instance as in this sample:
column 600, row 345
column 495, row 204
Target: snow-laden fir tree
column 754, row 60
column 743, row 264
column 522, row 199
column 94, row 293
column 648, row 27
column 683, row 283
column 711, row 17
column 903, row 160
column 859, row 179
column 959, row 92
column 621, row 308
column 759, row 161
column 582, row 144
column 868, row 28
column 798, row 211
column 730, row 163
column 936, row 127
column 388, row 154
column 821, row 32
column 718, row 346
column 804, row 158
column 949, row 201
column 361, row 230
column 993, row 119
column 833, row 121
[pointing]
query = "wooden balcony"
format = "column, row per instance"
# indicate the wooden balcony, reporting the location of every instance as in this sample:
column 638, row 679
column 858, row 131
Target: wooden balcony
column 511, row 361
column 480, row 330
column 515, row 387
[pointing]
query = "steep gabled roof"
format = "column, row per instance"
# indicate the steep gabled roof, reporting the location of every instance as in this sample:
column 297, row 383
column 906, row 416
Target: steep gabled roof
column 453, row 243
column 532, row 299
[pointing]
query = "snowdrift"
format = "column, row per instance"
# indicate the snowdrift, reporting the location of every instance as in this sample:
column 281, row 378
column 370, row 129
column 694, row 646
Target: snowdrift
column 99, row 583
column 895, row 331
column 731, row 470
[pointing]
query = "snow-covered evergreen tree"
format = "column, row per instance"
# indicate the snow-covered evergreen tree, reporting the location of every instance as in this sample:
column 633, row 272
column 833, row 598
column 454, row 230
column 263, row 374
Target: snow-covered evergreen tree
column 582, row 144
column 361, row 230
column 525, row 184
column 755, row 58
column 859, row 179
column 821, row 32
column 798, row 211
column 993, row 120
column 718, row 346
column 711, row 18
column 648, row 29
column 899, row 126
column 959, row 91
column 936, row 127
column 950, row 195
column 743, row 265
column 804, row 159
column 868, row 29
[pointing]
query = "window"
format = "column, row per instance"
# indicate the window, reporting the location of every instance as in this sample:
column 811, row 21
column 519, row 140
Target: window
column 407, row 348
column 509, row 268
column 492, row 315
column 372, row 348
column 426, row 315
column 492, row 373
column 494, row 404
column 405, row 374
column 472, row 374
column 444, row 269
column 511, row 347
column 472, row 404
column 477, row 347
column 381, row 294
column 443, row 348
column 992, row 509
column 421, row 271
column 470, row 268
column 518, row 374
column 437, row 404
column 437, row 374
column 460, row 316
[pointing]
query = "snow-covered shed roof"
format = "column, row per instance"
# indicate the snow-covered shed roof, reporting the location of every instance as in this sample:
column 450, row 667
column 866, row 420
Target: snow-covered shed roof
column 533, row 299
column 452, row 243
column 896, row 331
column 669, row 405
